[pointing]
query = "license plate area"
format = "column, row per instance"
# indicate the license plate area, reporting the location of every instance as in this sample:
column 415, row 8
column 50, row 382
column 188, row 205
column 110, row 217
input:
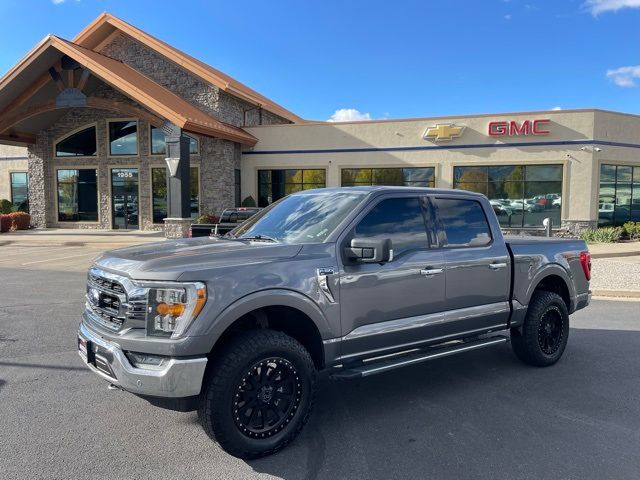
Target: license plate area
column 86, row 350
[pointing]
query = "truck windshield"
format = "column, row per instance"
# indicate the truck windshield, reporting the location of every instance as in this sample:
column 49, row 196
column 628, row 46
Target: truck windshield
column 300, row 218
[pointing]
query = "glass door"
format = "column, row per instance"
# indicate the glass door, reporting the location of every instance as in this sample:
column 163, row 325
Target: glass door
column 124, row 197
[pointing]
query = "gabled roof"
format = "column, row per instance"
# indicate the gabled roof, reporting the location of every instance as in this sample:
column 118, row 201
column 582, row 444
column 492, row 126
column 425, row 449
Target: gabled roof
column 106, row 25
column 155, row 98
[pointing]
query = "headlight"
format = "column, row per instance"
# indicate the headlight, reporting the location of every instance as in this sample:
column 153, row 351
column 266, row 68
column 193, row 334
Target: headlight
column 171, row 308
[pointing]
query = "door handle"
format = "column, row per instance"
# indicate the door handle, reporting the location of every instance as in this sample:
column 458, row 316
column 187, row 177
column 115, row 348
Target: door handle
column 496, row 266
column 430, row 272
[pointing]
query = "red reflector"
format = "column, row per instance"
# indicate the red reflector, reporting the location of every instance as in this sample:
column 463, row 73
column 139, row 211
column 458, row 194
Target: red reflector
column 585, row 261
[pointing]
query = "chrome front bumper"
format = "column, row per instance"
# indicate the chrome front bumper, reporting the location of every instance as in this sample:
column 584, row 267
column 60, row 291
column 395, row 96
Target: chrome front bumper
column 176, row 378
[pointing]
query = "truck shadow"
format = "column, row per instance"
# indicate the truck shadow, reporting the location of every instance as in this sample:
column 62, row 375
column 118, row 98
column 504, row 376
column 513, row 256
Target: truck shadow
column 478, row 415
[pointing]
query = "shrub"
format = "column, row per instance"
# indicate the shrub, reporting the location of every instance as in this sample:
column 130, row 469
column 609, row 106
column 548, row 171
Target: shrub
column 206, row 218
column 5, row 223
column 602, row 235
column 248, row 202
column 20, row 221
column 633, row 230
column 6, row 206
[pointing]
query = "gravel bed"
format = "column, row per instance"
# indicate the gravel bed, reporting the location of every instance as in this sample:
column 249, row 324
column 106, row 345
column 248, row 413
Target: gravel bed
column 615, row 273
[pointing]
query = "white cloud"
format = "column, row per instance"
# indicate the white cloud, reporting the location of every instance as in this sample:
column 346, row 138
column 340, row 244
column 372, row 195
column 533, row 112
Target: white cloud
column 601, row 6
column 57, row 2
column 556, row 108
column 507, row 16
column 348, row 115
column 624, row 76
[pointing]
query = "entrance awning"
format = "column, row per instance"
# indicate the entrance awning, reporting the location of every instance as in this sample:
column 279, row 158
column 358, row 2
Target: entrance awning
column 58, row 74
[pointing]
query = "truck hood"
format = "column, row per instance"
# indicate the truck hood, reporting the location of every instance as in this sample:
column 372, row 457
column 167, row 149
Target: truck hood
column 169, row 260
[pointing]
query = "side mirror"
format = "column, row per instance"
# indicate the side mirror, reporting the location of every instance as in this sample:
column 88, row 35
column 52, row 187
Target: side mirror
column 364, row 250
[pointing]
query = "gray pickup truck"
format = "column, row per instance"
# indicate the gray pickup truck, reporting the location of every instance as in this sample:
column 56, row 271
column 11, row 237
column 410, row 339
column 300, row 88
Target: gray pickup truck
column 353, row 281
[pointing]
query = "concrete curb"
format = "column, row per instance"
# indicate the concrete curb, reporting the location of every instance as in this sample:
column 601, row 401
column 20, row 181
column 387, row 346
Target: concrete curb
column 615, row 255
column 616, row 293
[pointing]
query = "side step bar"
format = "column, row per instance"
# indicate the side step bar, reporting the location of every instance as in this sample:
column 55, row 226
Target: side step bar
column 430, row 353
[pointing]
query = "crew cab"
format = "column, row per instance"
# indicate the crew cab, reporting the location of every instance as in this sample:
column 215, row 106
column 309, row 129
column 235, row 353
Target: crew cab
column 353, row 281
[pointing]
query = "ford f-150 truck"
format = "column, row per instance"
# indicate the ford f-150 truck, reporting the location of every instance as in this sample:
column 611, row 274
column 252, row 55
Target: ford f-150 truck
column 354, row 281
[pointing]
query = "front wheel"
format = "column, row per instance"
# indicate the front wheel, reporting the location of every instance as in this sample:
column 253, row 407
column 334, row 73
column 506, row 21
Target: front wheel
column 259, row 394
column 544, row 334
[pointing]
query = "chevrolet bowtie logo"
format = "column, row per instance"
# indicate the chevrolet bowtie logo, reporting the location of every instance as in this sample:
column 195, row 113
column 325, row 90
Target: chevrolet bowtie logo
column 445, row 131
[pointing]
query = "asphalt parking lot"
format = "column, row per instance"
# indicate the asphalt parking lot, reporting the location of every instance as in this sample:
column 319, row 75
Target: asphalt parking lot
column 482, row 415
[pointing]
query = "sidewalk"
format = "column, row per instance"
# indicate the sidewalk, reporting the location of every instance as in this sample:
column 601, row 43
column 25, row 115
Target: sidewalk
column 609, row 250
column 55, row 237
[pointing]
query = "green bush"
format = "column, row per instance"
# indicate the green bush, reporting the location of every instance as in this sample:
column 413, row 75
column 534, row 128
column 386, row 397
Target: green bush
column 248, row 202
column 602, row 235
column 6, row 206
column 633, row 230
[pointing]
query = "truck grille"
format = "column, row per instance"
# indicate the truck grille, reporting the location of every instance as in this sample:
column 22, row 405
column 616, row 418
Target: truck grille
column 108, row 301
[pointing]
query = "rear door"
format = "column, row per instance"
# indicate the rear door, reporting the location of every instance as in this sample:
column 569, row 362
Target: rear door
column 478, row 270
column 396, row 303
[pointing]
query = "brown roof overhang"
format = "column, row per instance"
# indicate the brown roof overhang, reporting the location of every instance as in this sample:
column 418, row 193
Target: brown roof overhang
column 127, row 80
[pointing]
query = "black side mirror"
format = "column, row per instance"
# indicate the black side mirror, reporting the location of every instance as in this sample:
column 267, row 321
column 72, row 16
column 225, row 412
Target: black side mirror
column 364, row 250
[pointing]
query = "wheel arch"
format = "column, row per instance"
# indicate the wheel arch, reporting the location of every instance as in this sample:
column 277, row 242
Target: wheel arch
column 283, row 310
column 553, row 278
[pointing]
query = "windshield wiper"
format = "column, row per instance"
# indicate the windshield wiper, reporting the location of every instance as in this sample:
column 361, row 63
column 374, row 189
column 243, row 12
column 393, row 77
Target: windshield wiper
column 259, row 237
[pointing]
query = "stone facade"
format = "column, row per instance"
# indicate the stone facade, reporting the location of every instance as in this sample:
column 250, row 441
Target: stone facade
column 217, row 159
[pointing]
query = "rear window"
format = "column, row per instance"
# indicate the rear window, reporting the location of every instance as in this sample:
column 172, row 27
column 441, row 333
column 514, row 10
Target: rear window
column 464, row 222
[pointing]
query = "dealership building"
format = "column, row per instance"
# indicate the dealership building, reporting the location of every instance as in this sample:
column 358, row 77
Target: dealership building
column 116, row 129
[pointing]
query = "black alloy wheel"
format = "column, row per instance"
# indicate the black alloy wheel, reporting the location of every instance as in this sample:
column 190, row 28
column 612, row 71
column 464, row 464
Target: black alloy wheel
column 267, row 398
column 550, row 331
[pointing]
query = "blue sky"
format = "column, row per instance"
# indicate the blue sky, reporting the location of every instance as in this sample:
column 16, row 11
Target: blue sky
column 383, row 59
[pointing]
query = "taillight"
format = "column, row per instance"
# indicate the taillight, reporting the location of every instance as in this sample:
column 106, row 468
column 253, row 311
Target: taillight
column 190, row 233
column 585, row 261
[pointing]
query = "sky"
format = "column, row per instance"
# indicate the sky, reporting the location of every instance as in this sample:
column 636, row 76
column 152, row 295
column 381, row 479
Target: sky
column 352, row 59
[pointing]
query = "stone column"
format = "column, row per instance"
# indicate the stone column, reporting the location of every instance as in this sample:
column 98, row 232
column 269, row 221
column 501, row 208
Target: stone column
column 39, row 182
column 176, row 225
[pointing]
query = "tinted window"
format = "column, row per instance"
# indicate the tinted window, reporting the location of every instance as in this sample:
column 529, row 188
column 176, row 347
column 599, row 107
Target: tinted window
column 159, row 145
column 123, row 138
column 77, row 195
column 409, row 177
column 79, row 144
column 20, row 191
column 159, row 193
column 464, row 222
column 399, row 219
column 276, row 184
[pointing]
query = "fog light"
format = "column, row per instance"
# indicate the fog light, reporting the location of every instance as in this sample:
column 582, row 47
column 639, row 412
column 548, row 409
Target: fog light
column 145, row 360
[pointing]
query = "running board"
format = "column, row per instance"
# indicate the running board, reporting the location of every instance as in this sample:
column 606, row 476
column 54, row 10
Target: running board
column 430, row 353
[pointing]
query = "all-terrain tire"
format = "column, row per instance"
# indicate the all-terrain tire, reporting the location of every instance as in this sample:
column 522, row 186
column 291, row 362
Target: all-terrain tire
column 266, row 369
column 544, row 334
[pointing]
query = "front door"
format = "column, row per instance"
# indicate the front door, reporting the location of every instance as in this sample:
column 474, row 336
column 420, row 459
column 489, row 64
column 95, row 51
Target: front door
column 399, row 303
column 124, row 195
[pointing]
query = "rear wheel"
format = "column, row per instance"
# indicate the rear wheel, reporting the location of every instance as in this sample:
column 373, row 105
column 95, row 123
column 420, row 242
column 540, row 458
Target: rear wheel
column 259, row 394
column 544, row 334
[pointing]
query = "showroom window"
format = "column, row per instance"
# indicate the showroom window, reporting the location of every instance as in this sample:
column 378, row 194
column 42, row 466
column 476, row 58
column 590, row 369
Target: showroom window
column 77, row 195
column 408, row 177
column 276, row 184
column 159, row 193
column 20, row 191
column 159, row 146
column 521, row 195
column 78, row 144
column 123, row 137
column 619, row 200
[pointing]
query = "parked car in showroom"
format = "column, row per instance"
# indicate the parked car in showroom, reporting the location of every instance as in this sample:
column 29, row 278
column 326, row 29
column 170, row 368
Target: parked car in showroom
column 350, row 281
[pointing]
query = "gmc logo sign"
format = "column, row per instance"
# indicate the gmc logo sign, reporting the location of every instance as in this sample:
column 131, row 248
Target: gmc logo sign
column 514, row 128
